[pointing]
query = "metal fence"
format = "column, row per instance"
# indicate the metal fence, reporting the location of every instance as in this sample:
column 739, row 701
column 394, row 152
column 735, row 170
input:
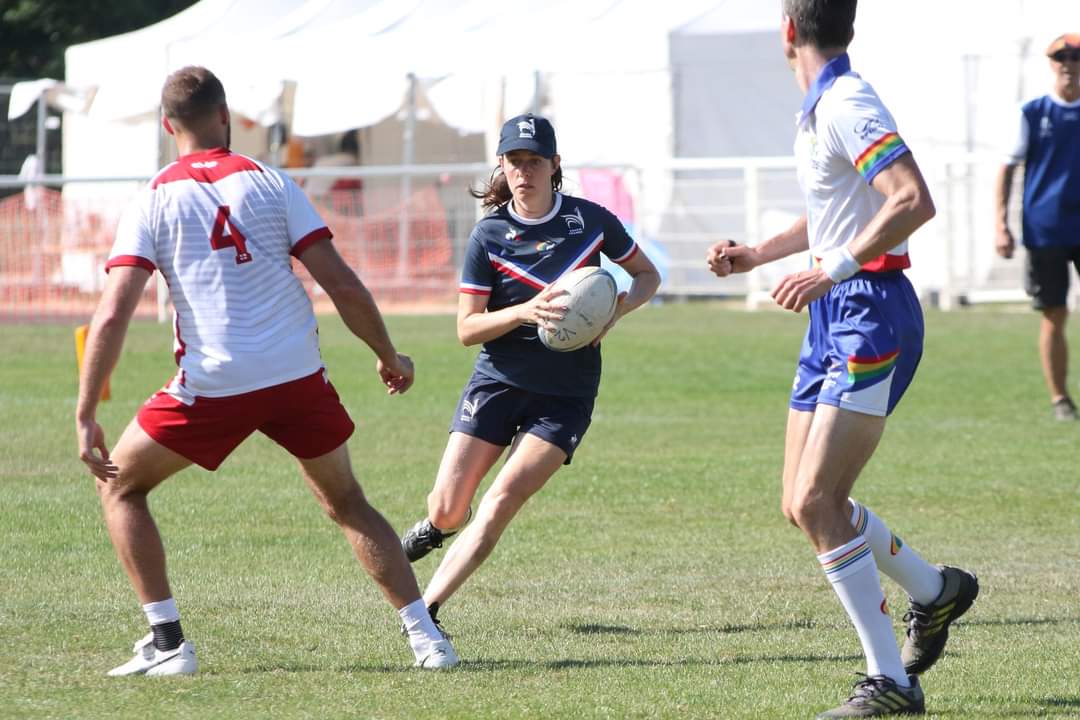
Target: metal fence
column 404, row 230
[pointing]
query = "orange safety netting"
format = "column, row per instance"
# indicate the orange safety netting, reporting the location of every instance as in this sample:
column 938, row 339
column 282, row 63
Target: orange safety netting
column 53, row 252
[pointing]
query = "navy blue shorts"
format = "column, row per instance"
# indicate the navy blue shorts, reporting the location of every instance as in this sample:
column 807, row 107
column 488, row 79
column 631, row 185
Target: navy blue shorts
column 862, row 347
column 496, row 412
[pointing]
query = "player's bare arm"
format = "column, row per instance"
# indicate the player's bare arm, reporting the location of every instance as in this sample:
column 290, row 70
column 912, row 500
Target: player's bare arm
column 728, row 257
column 1004, row 242
column 907, row 207
column 104, row 341
column 359, row 312
column 475, row 325
column 645, row 283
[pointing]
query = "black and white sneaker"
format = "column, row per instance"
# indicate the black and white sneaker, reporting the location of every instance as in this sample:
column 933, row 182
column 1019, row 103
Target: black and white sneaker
column 423, row 537
column 1065, row 410
column 878, row 695
column 928, row 625
column 148, row 660
column 433, row 611
column 439, row 656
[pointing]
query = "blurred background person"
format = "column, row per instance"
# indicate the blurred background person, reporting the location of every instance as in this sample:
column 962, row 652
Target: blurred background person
column 1047, row 143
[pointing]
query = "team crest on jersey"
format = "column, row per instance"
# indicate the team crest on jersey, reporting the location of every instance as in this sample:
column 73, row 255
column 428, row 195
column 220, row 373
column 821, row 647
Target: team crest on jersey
column 868, row 128
column 813, row 150
column 575, row 223
column 832, row 378
column 526, row 128
column 1046, row 128
column 468, row 409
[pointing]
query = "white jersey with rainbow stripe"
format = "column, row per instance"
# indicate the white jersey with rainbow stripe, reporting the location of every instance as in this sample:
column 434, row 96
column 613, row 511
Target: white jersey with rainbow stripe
column 845, row 137
column 222, row 229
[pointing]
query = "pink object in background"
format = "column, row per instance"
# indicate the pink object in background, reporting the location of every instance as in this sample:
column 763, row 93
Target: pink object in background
column 607, row 188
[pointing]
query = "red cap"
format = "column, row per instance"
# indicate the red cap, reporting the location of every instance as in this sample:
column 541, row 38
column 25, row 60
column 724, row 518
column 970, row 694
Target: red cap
column 1068, row 41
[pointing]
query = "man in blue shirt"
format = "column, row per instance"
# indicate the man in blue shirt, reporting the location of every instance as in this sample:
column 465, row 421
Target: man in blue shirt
column 1047, row 143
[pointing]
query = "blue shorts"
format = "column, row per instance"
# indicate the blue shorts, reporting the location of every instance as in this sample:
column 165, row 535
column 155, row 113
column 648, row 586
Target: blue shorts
column 496, row 412
column 862, row 347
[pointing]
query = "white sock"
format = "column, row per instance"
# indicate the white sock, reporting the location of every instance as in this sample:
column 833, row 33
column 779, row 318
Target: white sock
column 419, row 627
column 162, row 611
column 851, row 570
column 922, row 581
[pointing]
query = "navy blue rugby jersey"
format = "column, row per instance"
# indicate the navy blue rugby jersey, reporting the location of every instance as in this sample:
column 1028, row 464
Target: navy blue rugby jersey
column 511, row 258
column 1051, row 175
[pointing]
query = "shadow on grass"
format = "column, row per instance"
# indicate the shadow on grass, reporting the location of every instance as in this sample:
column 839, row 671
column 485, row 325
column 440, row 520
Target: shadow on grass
column 1019, row 621
column 725, row 629
column 487, row 665
column 1039, row 707
column 598, row 629
column 484, row 665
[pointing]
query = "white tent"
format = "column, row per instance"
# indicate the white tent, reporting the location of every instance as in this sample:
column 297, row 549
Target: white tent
column 601, row 68
column 625, row 81
column 120, row 133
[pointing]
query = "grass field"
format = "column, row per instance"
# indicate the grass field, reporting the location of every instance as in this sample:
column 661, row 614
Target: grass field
column 653, row 578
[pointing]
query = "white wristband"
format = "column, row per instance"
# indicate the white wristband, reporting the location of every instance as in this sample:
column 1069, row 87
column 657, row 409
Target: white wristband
column 839, row 264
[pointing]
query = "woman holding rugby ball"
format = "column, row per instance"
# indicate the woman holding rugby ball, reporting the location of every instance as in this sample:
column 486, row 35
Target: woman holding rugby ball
column 521, row 395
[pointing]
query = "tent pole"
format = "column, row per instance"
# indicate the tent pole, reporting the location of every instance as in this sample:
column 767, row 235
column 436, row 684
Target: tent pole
column 537, row 92
column 408, row 157
column 42, row 116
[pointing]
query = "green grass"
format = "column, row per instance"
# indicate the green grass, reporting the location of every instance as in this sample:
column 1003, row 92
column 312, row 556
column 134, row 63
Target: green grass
column 653, row 578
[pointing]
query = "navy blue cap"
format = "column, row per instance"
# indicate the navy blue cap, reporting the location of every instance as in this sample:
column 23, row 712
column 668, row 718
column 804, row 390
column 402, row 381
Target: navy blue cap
column 527, row 132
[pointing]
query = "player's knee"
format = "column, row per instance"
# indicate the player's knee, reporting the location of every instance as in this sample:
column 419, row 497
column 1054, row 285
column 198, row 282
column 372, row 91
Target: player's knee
column 124, row 487
column 485, row 540
column 446, row 514
column 494, row 515
column 505, row 505
column 805, row 508
column 789, row 515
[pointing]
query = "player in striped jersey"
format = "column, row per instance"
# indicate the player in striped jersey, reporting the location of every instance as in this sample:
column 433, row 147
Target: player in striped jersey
column 865, row 195
column 222, row 229
column 521, row 395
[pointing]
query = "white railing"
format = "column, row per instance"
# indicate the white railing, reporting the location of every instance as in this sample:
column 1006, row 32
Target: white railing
column 676, row 210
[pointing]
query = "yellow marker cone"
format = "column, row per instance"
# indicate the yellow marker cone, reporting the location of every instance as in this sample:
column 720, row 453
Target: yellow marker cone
column 80, row 350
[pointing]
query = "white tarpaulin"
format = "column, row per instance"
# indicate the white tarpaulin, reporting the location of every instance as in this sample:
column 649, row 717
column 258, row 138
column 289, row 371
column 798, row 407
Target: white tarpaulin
column 607, row 72
column 475, row 61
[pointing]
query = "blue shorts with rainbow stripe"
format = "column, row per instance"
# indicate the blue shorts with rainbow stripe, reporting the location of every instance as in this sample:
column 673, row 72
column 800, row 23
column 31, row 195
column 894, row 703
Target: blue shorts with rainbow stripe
column 862, row 347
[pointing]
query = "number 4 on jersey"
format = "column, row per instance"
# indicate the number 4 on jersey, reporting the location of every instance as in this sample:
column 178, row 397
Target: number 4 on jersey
column 235, row 239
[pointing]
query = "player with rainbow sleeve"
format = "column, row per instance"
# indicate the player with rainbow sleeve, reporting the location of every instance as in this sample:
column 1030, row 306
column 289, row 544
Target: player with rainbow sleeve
column 865, row 196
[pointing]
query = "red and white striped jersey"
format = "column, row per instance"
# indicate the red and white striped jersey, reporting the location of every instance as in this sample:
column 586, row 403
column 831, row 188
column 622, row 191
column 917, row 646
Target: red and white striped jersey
column 221, row 228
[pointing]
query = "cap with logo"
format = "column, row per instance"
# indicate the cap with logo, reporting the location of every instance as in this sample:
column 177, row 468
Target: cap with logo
column 1068, row 41
column 527, row 132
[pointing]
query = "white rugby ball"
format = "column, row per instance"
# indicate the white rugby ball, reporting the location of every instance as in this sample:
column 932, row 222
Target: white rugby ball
column 590, row 305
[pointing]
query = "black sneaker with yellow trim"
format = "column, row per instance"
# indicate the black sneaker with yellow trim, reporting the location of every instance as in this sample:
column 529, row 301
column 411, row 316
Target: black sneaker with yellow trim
column 928, row 625
column 878, row 695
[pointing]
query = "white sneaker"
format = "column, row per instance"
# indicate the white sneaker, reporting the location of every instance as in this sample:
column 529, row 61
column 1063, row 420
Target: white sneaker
column 440, row 655
column 149, row 660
